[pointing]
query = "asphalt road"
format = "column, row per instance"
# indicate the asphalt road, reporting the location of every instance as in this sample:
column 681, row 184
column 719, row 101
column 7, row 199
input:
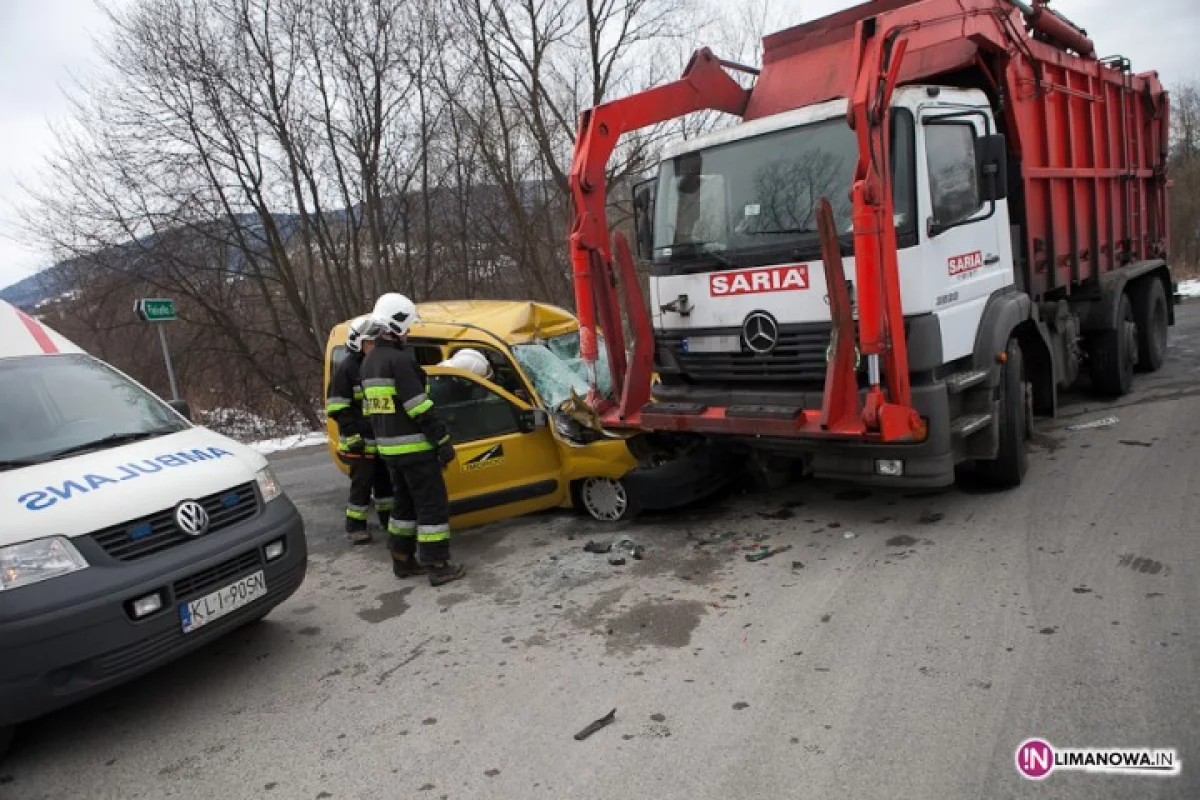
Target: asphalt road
column 902, row 649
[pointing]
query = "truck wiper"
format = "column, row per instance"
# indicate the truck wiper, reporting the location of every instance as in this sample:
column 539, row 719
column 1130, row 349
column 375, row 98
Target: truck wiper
column 782, row 231
column 109, row 441
column 694, row 249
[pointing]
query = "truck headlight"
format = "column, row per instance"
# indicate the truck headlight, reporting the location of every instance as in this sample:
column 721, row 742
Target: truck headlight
column 268, row 484
column 39, row 560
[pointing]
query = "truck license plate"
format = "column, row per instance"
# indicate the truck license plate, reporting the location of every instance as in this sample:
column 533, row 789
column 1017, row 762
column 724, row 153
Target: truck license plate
column 198, row 613
column 712, row 344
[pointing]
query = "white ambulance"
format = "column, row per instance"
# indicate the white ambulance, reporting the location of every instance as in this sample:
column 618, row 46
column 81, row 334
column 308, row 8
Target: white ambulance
column 128, row 536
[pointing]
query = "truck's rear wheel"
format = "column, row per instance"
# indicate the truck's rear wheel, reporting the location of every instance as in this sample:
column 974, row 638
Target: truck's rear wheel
column 1114, row 353
column 1150, row 313
column 1012, row 459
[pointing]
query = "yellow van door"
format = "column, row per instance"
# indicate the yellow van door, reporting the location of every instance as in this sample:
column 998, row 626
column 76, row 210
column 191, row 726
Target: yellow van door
column 507, row 461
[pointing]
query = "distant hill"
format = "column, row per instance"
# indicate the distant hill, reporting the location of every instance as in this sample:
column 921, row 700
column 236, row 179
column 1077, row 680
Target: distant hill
column 57, row 282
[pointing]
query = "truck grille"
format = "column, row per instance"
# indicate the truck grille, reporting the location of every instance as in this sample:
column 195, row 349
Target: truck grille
column 218, row 576
column 146, row 536
column 798, row 357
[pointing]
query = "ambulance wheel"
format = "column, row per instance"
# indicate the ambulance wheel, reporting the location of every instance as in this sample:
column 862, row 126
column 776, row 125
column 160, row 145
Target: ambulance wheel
column 1150, row 313
column 1008, row 468
column 1114, row 353
column 605, row 499
column 6, row 737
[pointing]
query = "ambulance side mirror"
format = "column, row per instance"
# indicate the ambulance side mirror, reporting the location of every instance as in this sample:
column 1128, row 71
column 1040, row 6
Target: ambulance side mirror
column 182, row 408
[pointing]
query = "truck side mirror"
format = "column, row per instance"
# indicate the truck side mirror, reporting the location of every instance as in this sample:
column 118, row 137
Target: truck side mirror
column 530, row 420
column 991, row 155
column 643, row 217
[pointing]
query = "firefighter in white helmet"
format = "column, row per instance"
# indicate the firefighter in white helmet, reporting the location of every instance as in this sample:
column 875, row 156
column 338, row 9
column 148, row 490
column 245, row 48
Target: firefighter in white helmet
column 414, row 443
column 356, row 442
column 470, row 360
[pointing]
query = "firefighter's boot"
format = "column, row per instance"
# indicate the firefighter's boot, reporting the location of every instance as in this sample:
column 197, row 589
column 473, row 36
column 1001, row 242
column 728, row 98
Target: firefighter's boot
column 356, row 531
column 404, row 556
column 436, row 558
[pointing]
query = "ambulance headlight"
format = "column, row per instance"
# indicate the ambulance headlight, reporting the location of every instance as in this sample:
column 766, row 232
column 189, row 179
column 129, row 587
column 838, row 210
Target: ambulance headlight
column 268, row 484
column 31, row 562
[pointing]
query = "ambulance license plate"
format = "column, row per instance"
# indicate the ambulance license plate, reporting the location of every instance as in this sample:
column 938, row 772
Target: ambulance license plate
column 242, row 592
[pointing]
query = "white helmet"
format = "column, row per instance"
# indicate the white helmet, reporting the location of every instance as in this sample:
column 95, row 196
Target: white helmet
column 469, row 360
column 395, row 313
column 359, row 330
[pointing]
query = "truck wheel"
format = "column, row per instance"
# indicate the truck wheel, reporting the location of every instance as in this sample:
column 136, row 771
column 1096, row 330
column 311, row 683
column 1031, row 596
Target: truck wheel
column 1114, row 353
column 1150, row 313
column 1008, row 468
column 605, row 499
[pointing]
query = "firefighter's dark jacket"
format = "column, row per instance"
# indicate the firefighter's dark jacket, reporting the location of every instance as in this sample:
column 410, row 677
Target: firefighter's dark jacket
column 344, row 401
column 396, row 400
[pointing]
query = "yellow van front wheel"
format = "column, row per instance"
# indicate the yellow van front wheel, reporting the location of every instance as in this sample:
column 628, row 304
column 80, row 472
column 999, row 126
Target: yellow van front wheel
column 605, row 499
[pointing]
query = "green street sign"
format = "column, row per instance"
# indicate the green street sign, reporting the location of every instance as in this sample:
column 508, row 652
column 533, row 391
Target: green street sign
column 154, row 310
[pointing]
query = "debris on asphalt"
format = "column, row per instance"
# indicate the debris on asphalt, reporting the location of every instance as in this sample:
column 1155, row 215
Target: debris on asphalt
column 1104, row 422
column 781, row 513
column 849, row 535
column 767, row 553
column 597, row 547
column 627, row 545
column 797, row 565
column 1135, row 443
column 930, row 517
column 717, row 538
column 616, row 561
column 605, row 721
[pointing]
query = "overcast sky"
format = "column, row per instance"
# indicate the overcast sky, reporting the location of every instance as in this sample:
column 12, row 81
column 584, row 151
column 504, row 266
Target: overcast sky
column 44, row 42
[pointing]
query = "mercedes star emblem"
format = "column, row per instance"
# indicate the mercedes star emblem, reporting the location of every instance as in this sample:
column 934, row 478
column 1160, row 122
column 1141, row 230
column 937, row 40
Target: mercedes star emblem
column 191, row 518
column 760, row 332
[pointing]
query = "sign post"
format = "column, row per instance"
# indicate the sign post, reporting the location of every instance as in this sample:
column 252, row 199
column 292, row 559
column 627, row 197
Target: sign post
column 160, row 310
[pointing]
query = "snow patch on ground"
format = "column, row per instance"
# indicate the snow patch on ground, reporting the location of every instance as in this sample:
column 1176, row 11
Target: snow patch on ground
column 263, row 434
column 1190, row 288
column 267, row 446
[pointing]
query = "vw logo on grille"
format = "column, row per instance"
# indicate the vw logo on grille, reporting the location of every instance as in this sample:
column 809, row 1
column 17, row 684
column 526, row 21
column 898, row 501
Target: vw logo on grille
column 760, row 332
column 191, row 518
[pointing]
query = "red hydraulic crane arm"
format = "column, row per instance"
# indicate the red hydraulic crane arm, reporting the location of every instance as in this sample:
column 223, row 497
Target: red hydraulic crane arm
column 705, row 85
column 881, row 322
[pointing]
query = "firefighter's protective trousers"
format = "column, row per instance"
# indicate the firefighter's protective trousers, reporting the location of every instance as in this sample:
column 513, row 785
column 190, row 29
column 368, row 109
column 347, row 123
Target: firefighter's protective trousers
column 408, row 431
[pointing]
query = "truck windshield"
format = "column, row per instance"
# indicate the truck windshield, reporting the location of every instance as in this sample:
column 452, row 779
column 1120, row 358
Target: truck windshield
column 762, row 193
column 57, row 406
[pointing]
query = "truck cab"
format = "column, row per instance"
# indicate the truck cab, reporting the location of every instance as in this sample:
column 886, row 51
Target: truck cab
column 738, row 294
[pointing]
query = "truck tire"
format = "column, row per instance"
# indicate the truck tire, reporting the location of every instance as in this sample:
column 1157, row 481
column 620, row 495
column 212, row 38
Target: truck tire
column 1114, row 353
column 1151, row 314
column 6, row 737
column 1008, row 468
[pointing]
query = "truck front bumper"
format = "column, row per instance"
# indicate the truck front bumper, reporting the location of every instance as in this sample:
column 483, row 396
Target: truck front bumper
column 928, row 464
column 67, row 638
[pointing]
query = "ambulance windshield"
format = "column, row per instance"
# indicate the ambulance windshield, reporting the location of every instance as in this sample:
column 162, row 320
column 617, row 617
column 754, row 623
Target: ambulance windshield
column 58, row 406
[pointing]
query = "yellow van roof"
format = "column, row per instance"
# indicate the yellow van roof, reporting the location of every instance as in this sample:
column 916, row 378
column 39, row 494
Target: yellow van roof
column 513, row 321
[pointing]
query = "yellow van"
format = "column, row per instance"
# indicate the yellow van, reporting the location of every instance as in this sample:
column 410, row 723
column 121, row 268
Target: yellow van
column 516, row 452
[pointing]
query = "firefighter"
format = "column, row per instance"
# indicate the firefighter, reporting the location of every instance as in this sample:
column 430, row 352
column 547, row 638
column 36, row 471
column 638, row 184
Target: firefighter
column 470, row 360
column 414, row 443
column 356, row 442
